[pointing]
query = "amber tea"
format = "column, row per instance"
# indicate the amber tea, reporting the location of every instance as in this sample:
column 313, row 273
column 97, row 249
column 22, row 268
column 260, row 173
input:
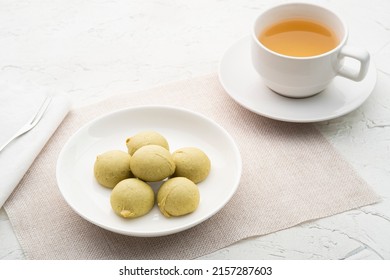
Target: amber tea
column 299, row 37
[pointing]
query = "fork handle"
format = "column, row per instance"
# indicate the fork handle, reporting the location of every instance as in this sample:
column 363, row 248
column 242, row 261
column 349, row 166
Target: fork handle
column 31, row 124
column 9, row 141
column 16, row 135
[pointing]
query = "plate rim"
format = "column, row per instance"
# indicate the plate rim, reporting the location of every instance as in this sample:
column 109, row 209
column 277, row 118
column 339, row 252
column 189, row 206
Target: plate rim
column 290, row 119
column 137, row 233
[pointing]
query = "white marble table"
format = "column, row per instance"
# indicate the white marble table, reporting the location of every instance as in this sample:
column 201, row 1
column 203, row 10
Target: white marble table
column 93, row 49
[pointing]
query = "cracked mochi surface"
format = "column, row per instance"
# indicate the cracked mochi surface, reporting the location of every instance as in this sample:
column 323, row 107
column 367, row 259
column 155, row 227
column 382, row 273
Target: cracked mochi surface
column 177, row 197
column 144, row 138
column 152, row 163
column 112, row 167
column 191, row 163
column 132, row 198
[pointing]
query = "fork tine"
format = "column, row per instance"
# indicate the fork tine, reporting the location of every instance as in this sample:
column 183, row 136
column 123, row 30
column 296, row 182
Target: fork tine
column 40, row 112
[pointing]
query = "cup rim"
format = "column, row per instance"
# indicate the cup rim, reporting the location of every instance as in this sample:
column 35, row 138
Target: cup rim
column 340, row 44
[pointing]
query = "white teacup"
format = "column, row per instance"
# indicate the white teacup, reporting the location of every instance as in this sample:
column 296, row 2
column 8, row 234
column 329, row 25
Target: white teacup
column 299, row 77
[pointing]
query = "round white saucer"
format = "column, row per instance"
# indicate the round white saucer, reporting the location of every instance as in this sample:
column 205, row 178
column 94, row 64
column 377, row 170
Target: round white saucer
column 245, row 86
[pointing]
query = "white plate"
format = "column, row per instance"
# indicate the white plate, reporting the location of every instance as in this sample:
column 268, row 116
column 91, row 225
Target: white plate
column 181, row 128
column 244, row 85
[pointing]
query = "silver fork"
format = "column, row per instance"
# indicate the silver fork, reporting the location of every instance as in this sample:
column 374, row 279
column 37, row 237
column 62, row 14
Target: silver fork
column 31, row 124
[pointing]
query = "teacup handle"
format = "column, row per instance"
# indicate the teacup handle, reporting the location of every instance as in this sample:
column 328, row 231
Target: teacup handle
column 356, row 53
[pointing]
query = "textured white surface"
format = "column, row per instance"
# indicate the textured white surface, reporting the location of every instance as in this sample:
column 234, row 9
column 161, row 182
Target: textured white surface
column 93, row 49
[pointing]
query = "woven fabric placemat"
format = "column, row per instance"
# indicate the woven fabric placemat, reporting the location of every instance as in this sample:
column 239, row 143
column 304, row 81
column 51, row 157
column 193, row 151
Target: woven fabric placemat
column 290, row 175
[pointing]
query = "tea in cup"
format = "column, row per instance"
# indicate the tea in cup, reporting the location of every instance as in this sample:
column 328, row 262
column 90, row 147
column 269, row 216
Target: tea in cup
column 298, row 48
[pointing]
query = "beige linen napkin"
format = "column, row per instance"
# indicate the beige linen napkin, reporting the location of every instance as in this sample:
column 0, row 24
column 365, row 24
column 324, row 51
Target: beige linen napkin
column 291, row 174
column 17, row 106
